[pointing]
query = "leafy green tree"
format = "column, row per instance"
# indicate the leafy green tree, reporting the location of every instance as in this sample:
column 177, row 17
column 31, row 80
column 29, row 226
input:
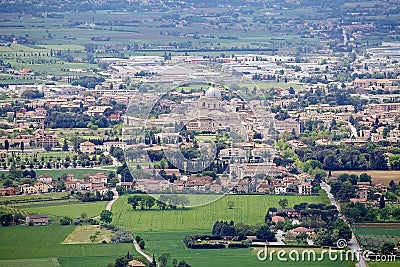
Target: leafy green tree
column 382, row 202
column 265, row 233
column 8, row 183
column 163, row 259
column 283, row 202
column 183, row 263
column 387, row 248
column 384, row 213
column 65, row 220
column 141, row 244
column 65, row 146
column 7, row 145
column 121, row 261
column 106, row 216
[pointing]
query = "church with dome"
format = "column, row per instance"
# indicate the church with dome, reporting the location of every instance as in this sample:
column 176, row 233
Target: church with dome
column 211, row 100
column 211, row 113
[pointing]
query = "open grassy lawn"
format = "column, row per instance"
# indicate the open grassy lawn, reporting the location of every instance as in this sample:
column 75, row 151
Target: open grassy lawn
column 378, row 176
column 82, row 234
column 208, row 137
column 77, row 172
column 377, row 231
column 171, row 242
column 248, row 209
column 34, row 197
column 49, row 262
column 383, row 264
column 71, row 210
column 44, row 242
column 169, row 227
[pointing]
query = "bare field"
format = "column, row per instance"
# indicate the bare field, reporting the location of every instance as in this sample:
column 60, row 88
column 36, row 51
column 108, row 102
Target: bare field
column 378, row 176
column 82, row 234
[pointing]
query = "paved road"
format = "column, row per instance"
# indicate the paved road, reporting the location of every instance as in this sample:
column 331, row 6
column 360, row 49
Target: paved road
column 111, row 203
column 137, row 247
column 353, row 243
column 141, row 252
column 353, row 129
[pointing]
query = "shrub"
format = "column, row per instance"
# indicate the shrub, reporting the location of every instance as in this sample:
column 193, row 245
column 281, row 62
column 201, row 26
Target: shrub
column 66, row 220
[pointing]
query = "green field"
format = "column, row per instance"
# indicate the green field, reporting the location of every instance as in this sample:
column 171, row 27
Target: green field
column 34, row 197
column 49, row 262
column 248, row 209
column 71, row 210
column 77, row 172
column 164, row 230
column 383, row 264
column 172, row 243
column 377, row 231
column 44, row 242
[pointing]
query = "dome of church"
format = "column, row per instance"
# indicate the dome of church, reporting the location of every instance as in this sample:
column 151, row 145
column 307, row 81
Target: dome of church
column 213, row 92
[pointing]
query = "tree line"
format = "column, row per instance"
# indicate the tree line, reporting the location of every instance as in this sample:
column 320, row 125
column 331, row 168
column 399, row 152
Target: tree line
column 164, row 202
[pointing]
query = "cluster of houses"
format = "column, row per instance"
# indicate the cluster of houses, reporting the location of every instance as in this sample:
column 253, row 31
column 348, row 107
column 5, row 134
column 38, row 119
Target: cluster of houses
column 279, row 181
column 366, row 190
column 89, row 182
column 90, row 148
column 45, row 184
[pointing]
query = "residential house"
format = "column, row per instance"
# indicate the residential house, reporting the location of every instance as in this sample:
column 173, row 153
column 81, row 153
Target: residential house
column 97, row 110
column 8, row 191
column 38, row 187
column 45, row 178
column 107, row 145
column 216, row 188
column 288, row 125
column 280, row 189
column 43, row 138
column 127, row 185
column 305, row 188
column 136, row 263
column 243, row 186
column 299, row 230
column 87, row 147
column 277, row 219
column 37, row 219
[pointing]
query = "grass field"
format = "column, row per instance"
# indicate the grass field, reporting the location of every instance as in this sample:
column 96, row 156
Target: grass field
column 71, row 210
column 34, row 197
column 44, row 242
column 172, row 243
column 169, row 227
column 77, row 172
column 383, row 177
column 383, row 264
column 377, row 231
column 248, row 209
column 82, row 233
column 49, row 262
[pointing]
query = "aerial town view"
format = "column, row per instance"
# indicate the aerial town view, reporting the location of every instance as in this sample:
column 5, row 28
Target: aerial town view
column 199, row 133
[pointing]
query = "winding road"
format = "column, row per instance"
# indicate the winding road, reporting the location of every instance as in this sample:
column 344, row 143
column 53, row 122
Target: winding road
column 141, row 252
column 111, row 203
column 136, row 245
column 353, row 243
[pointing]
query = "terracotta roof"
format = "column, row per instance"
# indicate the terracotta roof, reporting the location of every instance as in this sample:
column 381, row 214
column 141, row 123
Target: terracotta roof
column 302, row 230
